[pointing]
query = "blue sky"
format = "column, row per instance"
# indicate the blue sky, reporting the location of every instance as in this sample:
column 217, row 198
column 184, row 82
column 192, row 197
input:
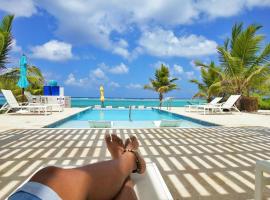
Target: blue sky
column 83, row 44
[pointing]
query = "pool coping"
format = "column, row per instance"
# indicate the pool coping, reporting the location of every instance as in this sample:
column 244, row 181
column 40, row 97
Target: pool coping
column 66, row 118
column 201, row 122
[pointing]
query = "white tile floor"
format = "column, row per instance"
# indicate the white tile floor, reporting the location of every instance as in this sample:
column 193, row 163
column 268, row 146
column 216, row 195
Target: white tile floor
column 199, row 163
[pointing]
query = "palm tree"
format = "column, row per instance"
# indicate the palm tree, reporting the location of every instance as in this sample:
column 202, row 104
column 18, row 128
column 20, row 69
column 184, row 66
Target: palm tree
column 211, row 74
column 5, row 39
column 243, row 60
column 9, row 79
column 162, row 82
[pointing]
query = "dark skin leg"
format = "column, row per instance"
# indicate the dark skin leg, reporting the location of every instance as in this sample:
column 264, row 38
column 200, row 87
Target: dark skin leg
column 127, row 191
column 90, row 181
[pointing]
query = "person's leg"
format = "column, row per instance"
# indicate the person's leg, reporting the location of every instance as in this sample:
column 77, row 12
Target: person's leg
column 127, row 191
column 96, row 181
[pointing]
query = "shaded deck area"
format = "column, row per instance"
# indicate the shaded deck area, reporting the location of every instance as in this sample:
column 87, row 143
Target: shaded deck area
column 196, row 163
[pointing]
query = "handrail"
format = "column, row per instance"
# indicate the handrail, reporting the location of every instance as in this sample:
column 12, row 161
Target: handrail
column 129, row 113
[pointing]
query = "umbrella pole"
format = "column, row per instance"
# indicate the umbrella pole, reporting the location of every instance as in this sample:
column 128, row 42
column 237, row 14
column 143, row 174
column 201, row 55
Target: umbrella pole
column 22, row 94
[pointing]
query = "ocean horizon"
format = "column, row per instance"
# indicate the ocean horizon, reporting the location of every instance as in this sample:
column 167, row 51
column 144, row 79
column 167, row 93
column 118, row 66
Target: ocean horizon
column 125, row 102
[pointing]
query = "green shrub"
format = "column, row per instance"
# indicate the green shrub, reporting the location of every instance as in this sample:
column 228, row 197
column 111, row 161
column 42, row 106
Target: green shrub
column 264, row 104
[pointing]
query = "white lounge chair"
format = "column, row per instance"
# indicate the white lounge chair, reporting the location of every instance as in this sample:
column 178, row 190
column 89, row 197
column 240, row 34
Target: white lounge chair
column 167, row 123
column 97, row 106
column 100, row 124
column 31, row 98
column 141, row 107
column 108, row 107
column 228, row 105
column 151, row 185
column 197, row 106
column 261, row 181
column 13, row 104
column 121, row 107
column 53, row 102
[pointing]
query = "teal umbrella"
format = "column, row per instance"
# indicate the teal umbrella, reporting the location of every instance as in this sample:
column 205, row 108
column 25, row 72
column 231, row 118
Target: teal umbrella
column 23, row 82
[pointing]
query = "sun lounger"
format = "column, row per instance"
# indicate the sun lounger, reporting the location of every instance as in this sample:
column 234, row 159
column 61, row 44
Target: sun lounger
column 97, row 106
column 133, row 107
column 261, row 181
column 168, row 123
column 121, row 107
column 100, row 124
column 108, row 107
column 151, row 185
column 196, row 107
column 140, row 107
column 33, row 100
column 13, row 104
column 228, row 105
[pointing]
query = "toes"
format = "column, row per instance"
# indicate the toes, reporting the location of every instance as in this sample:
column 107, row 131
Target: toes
column 127, row 142
column 107, row 138
column 118, row 140
column 132, row 142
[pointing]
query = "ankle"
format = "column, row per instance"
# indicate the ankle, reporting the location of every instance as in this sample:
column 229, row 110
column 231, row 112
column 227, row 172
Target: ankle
column 130, row 159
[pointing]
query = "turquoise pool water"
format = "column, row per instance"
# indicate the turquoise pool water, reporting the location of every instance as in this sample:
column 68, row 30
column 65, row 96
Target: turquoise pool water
column 84, row 102
column 146, row 118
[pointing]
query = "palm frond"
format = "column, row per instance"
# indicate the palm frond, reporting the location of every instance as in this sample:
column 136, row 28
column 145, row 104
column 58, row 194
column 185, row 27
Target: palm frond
column 5, row 39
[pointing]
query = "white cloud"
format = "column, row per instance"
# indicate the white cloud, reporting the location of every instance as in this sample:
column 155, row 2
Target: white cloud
column 159, row 63
column 227, row 8
column 178, row 69
column 134, row 86
column 121, row 51
column 175, row 69
column 220, row 8
column 257, row 3
column 114, row 84
column 119, row 69
column 190, row 74
column 14, row 47
column 192, row 64
column 100, row 22
column 25, row 8
column 98, row 73
column 95, row 78
column 73, row 81
column 53, row 50
column 164, row 43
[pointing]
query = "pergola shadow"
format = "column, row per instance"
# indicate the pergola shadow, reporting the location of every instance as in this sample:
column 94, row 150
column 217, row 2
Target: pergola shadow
column 196, row 163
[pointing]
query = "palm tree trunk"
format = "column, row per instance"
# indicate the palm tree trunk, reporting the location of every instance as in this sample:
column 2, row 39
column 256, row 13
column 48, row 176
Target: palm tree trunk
column 160, row 99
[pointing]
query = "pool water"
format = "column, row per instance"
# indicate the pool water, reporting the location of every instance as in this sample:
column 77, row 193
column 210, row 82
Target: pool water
column 139, row 118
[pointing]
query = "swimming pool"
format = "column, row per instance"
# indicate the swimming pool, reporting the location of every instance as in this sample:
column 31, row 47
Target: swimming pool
column 138, row 118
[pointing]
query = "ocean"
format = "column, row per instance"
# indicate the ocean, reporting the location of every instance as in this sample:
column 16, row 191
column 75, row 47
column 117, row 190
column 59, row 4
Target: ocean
column 115, row 102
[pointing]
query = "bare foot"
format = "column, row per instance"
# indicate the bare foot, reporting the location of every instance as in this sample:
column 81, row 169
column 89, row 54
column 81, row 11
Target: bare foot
column 115, row 145
column 132, row 143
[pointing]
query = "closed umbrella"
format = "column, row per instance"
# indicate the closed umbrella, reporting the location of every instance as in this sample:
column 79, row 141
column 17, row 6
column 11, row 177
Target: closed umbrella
column 23, row 82
column 101, row 89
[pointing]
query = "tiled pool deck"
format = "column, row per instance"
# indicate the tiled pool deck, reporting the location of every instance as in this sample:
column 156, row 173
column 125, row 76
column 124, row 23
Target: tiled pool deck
column 196, row 163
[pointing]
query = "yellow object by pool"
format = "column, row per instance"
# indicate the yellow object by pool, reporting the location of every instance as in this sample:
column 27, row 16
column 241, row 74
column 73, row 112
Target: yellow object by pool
column 101, row 89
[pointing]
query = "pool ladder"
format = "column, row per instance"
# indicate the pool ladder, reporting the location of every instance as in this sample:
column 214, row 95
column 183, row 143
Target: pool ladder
column 129, row 113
